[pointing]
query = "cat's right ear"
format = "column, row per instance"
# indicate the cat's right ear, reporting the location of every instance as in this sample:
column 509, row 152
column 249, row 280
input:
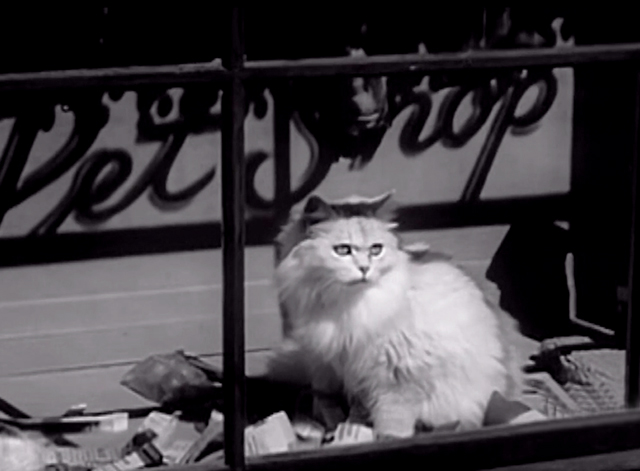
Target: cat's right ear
column 384, row 207
column 317, row 210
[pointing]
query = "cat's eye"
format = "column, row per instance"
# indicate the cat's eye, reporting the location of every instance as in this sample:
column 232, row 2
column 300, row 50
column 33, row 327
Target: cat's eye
column 375, row 250
column 342, row 249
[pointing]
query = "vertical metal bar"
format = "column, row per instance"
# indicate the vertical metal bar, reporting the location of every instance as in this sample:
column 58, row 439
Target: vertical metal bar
column 480, row 172
column 233, row 237
column 282, row 151
column 282, row 144
column 633, row 320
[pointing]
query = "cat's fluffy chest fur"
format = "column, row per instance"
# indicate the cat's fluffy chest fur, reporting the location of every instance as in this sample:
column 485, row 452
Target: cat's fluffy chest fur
column 420, row 344
column 411, row 341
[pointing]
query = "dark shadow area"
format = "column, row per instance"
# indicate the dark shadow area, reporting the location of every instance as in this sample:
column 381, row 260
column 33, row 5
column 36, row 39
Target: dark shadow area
column 604, row 128
column 529, row 269
column 58, row 36
column 53, row 36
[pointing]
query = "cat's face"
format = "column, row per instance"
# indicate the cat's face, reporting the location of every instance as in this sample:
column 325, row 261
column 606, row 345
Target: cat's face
column 353, row 251
column 317, row 210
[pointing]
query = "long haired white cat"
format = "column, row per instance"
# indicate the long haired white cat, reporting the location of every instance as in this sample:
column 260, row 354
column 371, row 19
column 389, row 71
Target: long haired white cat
column 410, row 339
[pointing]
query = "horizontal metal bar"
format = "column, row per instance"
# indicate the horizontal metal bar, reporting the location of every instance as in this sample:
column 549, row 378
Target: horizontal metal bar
column 115, row 77
column 371, row 65
column 379, row 65
column 620, row 461
column 488, row 448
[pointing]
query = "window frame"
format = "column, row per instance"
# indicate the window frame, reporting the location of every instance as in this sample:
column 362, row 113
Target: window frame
column 483, row 449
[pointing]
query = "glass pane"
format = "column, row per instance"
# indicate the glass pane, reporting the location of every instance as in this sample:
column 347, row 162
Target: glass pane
column 481, row 165
column 424, row 254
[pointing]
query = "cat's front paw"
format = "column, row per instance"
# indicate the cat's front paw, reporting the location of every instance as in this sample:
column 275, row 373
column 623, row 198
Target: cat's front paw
column 400, row 425
column 395, row 415
column 394, row 432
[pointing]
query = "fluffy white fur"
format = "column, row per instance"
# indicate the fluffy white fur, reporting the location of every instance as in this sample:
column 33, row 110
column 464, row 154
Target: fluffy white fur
column 410, row 341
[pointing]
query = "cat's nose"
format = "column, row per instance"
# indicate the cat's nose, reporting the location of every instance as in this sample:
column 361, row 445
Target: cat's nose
column 364, row 270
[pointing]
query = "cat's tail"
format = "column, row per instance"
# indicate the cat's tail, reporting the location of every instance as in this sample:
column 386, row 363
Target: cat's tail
column 287, row 363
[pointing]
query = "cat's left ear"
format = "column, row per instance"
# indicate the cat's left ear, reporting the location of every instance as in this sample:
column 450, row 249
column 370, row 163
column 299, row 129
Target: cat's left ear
column 316, row 210
column 384, row 206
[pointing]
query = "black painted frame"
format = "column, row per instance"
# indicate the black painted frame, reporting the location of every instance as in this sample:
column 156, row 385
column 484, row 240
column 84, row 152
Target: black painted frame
column 490, row 448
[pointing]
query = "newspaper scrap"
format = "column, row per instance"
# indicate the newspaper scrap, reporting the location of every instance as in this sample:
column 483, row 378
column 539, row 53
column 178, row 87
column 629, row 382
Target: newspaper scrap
column 548, row 397
column 503, row 411
column 147, row 455
column 152, row 445
column 163, row 425
column 177, row 451
column 112, row 423
column 274, row 434
column 89, row 457
column 212, row 435
column 129, row 462
column 348, row 433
